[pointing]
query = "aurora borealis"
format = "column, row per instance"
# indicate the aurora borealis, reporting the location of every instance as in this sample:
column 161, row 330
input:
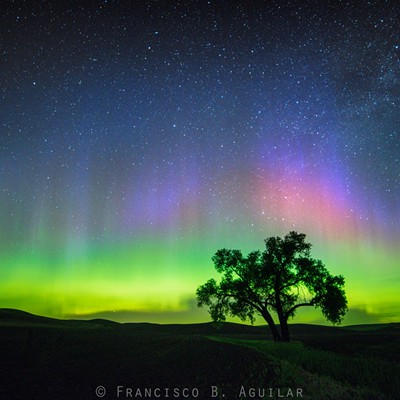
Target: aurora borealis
column 137, row 138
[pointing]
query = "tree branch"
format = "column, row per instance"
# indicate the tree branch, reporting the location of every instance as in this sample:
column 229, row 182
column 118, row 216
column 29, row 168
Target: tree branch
column 258, row 307
column 237, row 273
column 245, row 300
column 290, row 311
column 291, row 284
column 267, row 303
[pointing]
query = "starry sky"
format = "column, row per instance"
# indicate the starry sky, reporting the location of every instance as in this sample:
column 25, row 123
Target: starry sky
column 139, row 137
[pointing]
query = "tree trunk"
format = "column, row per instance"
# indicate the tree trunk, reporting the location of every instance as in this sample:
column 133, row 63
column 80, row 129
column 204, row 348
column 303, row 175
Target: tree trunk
column 274, row 330
column 282, row 320
column 284, row 330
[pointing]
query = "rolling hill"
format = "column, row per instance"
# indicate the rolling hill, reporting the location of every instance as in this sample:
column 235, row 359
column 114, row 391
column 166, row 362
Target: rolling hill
column 45, row 358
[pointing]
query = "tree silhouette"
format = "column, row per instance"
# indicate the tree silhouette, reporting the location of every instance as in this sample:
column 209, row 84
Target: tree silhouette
column 279, row 280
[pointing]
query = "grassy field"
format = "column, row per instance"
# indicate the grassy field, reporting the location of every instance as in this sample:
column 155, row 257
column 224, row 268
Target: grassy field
column 43, row 358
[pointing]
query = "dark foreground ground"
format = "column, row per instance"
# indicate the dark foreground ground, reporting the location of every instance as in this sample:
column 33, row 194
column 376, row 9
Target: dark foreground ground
column 41, row 358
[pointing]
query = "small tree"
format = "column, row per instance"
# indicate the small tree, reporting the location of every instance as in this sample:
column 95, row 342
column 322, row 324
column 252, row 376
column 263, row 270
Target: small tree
column 279, row 280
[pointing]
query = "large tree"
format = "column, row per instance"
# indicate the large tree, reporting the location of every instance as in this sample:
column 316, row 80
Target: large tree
column 279, row 280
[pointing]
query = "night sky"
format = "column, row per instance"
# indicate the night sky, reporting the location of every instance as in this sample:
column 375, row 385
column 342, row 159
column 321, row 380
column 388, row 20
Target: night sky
column 139, row 137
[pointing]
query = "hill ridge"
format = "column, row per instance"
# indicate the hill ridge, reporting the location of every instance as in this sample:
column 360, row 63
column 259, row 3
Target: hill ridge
column 16, row 317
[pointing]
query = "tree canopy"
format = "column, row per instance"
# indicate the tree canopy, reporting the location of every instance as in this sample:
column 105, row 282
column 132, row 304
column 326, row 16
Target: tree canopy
column 279, row 280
